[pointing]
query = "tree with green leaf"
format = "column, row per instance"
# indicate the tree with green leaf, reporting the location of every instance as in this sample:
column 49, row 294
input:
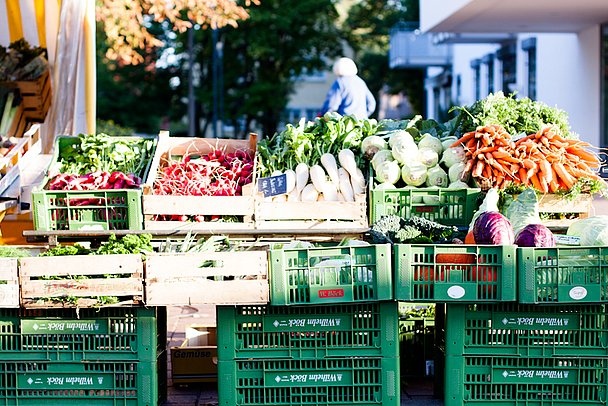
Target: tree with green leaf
column 262, row 59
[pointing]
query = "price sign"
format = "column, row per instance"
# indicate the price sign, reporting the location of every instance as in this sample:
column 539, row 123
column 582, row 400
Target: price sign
column 273, row 185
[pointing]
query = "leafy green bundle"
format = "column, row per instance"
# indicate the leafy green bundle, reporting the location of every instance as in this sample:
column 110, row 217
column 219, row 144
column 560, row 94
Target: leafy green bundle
column 517, row 116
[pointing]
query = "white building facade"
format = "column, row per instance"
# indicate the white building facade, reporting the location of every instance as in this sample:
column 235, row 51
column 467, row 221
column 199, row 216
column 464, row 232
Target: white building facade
column 554, row 51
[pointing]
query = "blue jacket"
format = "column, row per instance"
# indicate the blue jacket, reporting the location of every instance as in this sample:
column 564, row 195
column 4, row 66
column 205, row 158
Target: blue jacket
column 349, row 95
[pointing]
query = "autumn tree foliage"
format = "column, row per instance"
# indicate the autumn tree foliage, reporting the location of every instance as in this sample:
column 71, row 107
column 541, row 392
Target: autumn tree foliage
column 125, row 21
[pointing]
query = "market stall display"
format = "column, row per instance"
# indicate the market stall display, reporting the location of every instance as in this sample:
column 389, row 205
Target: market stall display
column 199, row 183
column 94, row 183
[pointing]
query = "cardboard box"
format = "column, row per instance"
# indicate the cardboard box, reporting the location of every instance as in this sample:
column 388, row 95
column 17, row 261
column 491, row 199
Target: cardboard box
column 195, row 361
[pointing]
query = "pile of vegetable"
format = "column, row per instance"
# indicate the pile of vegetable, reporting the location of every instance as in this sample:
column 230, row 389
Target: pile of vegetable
column 543, row 160
column 405, row 157
column 216, row 173
column 520, row 116
column 96, row 162
column 308, row 141
column 20, row 61
column 307, row 155
column 128, row 244
column 325, row 182
column 393, row 229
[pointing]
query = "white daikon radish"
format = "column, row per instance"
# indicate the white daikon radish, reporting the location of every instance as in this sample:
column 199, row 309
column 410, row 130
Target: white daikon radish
column 276, row 173
column 330, row 192
column 301, row 176
column 358, row 182
column 346, row 189
column 290, row 179
column 329, row 163
column 341, row 197
column 309, row 194
column 293, row 196
column 279, row 198
column 318, row 177
column 347, row 161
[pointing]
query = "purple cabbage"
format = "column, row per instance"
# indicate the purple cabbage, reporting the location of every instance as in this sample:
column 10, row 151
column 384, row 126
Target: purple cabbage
column 493, row 228
column 535, row 235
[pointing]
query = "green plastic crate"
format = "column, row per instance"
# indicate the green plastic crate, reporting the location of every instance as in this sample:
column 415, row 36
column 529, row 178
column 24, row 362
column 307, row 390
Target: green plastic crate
column 74, row 210
column 87, row 210
column 116, row 334
column 330, row 275
column 365, row 329
column 79, row 383
column 522, row 381
column 563, row 275
column 527, row 330
column 451, row 207
column 322, row 382
column 455, row 273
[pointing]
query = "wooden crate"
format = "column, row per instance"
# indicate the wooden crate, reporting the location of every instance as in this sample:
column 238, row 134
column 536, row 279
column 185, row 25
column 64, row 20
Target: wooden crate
column 10, row 163
column 9, row 283
column 153, row 205
column 36, row 96
column 19, row 124
column 179, row 279
column 124, row 280
column 313, row 216
column 581, row 207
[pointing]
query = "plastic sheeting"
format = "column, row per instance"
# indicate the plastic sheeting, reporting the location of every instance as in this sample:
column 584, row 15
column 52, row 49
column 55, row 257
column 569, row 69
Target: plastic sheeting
column 67, row 29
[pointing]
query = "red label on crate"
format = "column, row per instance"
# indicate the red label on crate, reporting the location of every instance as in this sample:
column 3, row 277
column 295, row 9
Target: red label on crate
column 425, row 209
column 331, row 293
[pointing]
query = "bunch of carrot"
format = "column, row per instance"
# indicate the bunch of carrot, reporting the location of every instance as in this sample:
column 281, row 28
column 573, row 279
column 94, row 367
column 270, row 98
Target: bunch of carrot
column 543, row 160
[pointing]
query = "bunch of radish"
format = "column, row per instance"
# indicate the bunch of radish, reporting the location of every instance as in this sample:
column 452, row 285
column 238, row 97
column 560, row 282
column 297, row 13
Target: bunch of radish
column 325, row 182
column 214, row 174
column 99, row 180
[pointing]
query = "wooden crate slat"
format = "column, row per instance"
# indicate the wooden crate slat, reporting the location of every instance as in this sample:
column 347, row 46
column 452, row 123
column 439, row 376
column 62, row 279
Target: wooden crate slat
column 9, row 295
column 311, row 215
column 205, row 291
column 203, row 205
column 551, row 203
column 186, row 226
column 178, row 279
column 73, row 265
column 9, row 289
column 8, row 269
column 81, row 288
column 311, row 225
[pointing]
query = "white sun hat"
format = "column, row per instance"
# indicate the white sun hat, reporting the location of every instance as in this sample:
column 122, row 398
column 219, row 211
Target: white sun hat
column 345, row 67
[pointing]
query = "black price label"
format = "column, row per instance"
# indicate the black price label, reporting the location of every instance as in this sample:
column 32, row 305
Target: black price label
column 273, row 186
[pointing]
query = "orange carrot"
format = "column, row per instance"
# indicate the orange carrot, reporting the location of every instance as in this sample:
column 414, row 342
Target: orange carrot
column 478, row 169
column 464, row 139
column 535, row 182
column 563, row 175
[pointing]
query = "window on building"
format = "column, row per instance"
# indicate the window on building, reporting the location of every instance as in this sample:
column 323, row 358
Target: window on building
column 529, row 46
column 476, row 65
column 604, row 86
column 488, row 60
column 508, row 58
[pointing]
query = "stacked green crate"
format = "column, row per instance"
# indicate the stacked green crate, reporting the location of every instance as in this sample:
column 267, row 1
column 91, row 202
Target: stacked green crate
column 563, row 275
column 345, row 274
column 110, row 356
column 344, row 354
column 517, row 354
column 455, row 273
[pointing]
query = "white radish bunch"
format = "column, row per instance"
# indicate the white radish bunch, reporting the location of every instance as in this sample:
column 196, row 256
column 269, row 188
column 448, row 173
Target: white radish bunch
column 325, row 182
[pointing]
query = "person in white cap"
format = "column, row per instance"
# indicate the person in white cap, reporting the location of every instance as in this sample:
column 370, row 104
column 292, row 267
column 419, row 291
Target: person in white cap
column 349, row 95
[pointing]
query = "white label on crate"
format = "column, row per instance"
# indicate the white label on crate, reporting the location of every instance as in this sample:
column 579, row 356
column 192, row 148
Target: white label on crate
column 578, row 293
column 567, row 240
column 456, row 292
